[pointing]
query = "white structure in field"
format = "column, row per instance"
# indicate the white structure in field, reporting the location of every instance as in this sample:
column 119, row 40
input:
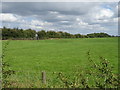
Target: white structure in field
column 36, row 36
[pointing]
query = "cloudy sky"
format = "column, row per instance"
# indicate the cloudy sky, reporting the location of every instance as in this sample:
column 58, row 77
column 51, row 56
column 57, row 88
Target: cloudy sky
column 71, row 17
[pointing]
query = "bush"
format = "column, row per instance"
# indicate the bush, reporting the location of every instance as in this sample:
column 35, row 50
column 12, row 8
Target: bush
column 6, row 71
column 97, row 75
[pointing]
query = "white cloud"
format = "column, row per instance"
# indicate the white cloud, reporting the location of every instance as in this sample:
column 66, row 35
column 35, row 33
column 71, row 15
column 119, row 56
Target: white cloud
column 41, row 23
column 86, row 25
column 77, row 19
column 104, row 13
column 60, row 16
column 34, row 27
column 73, row 17
column 36, row 22
column 53, row 12
column 8, row 17
column 115, row 19
column 64, row 21
column 82, row 23
column 91, row 27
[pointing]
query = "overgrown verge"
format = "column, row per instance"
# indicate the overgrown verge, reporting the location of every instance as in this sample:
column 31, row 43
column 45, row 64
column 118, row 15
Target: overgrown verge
column 6, row 70
column 96, row 75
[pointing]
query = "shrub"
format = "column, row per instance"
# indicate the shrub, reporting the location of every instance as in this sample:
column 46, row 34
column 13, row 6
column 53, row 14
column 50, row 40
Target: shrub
column 97, row 75
column 6, row 71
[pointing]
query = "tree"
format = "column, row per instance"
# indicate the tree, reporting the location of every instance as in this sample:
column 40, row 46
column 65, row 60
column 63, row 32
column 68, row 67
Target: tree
column 78, row 35
column 30, row 33
column 17, row 33
column 41, row 34
column 52, row 34
column 93, row 35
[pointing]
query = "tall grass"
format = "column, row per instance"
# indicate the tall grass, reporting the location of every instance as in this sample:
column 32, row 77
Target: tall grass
column 6, row 70
column 97, row 75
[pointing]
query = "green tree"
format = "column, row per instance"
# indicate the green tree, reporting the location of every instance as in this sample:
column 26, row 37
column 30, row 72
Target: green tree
column 41, row 34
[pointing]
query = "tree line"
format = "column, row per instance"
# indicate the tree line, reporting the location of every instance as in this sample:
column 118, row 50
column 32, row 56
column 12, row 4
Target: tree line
column 15, row 33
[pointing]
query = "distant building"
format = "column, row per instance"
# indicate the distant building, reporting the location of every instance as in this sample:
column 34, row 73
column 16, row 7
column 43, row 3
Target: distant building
column 36, row 36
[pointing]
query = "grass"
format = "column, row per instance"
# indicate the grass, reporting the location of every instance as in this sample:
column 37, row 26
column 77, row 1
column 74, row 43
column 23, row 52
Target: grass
column 29, row 57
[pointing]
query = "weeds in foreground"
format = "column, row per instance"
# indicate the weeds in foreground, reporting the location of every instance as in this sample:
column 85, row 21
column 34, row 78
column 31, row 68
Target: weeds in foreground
column 97, row 75
column 6, row 71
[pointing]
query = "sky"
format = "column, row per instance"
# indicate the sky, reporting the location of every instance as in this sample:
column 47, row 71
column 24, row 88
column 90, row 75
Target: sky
column 71, row 17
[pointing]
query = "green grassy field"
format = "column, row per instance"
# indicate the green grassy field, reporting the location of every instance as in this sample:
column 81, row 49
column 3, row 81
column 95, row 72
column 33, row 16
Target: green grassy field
column 29, row 57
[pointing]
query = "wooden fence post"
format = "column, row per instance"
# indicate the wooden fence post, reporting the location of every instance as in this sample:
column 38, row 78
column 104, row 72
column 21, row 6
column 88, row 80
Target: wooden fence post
column 43, row 77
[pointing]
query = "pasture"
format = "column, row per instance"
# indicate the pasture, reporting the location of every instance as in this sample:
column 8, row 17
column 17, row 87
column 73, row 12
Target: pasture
column 30, row 57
